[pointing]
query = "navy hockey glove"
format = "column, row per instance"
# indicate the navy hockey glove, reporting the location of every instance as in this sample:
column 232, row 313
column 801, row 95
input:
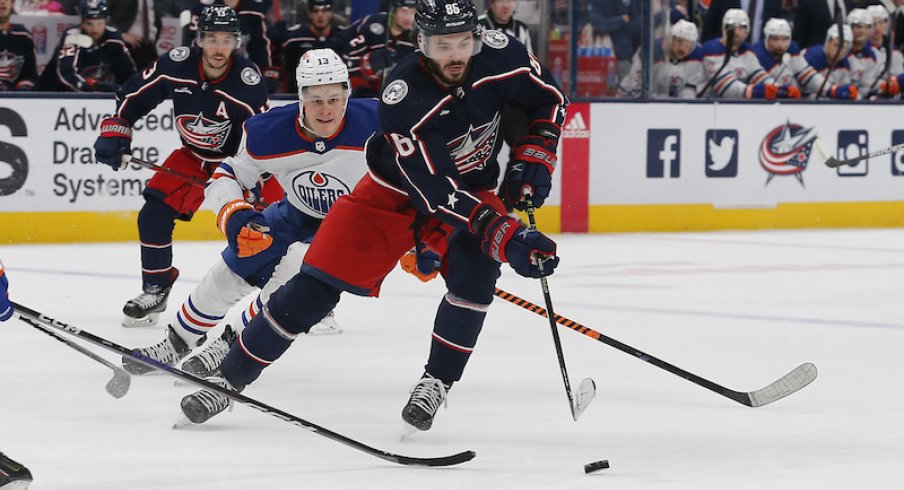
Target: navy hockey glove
column 507, row 240
column 99, row 86
column 761, row 91
column 530, row 171
column 842, row 92
column 244, row 228
column 115, row 140
column 273, row 76
column 6, row 309
column 374, row 62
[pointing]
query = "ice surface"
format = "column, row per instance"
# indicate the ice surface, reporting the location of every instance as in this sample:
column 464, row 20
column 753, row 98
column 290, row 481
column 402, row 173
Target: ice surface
column 739, row 308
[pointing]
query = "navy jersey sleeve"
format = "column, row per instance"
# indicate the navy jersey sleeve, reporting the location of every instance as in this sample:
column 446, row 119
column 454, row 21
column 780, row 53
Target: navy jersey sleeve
column 67, row 59
column 122, row 63
column 29, row 74
column 534, row 89
column 145, row 90
column 253, row 22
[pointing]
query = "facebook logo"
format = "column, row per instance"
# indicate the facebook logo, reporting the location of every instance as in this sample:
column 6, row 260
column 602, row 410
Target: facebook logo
column 852, row 144
column 897, row 158
column 721, row 153
column 663, row 153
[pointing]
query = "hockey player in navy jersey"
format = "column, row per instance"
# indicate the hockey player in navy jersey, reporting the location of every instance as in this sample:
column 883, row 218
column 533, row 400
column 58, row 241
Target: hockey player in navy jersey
column 293, row 41
column 432, row 173
column 783, row 61
column 213, row 93
column 89, row 58
column 316, row 151
column 374, row 44
column 18, row 69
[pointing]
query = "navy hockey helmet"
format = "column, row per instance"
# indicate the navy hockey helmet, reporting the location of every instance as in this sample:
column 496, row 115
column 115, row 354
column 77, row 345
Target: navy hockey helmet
column 320, row 5
column 438, row 17
column 93, row 9
column 404, row 3
column 219, row 18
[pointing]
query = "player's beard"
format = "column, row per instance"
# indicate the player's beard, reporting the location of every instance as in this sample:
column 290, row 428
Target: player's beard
column 213, row 64
column 451, row 80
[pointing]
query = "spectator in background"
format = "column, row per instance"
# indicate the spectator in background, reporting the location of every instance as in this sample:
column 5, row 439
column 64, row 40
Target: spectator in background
column 292, row 42
column 89, row 58
column 620, row 20
column 18, row 69
column 812, row 19
column 136, row 20
column 500, row 15
column 677, row 67
column 758, row 11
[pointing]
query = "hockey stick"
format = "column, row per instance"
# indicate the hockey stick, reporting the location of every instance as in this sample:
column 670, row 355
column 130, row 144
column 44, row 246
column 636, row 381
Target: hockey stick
column 833, row 162
column 788, row 384
column 839, row 21
column 126, row 159
column 117, row 387
column 579, row 401
column 240, row 398
column 728, row 47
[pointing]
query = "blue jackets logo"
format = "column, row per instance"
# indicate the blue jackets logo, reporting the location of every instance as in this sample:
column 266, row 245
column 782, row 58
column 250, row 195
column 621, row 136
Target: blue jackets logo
column 852, row 144
column 786, row 151
column 663, row 153
column 721, row 153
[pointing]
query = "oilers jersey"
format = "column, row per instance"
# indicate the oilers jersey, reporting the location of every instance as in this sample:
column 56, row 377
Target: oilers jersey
column 816, row 57
column 671, row 78
column 18, row 69
column 314, row 173
column 79, row 63
column 864, row 68
column 798, row 72
column 896, row 67
column 209, row 113
column 743, row 69
column 436, row 144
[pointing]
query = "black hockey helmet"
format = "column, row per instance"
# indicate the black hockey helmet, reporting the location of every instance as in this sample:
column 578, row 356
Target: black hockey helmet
column 93, row 9
column 219, row 18
column 320, row 4
column 404, row 3
column 438, row 17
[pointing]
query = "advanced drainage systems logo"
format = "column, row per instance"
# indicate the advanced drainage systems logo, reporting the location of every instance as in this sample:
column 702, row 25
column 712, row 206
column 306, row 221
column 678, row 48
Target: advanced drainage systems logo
column 786, row 151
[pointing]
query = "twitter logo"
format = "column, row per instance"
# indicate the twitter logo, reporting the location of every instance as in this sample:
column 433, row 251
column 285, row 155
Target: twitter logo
column 721, row 153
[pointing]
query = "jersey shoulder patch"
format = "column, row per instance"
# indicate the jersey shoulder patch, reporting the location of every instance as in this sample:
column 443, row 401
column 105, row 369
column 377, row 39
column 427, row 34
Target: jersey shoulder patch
column 377, row 29
column 495, row 39
column 250, row 76
column 179, row 54
column 395, row 92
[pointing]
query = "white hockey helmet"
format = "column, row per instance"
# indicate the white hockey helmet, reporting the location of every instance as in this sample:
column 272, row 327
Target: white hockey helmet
column 833, row 33
column 320, row 67
column 859, row 17
column 776, row 27
column 735, row 17
column 878, row 12
column 684, row 30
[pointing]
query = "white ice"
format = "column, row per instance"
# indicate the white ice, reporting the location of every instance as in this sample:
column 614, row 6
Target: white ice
column 738, row 308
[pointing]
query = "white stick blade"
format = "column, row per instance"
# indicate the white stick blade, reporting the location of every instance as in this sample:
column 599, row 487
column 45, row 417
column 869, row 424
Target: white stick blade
column 789, row 384
column 582, row 398
column 119, row 385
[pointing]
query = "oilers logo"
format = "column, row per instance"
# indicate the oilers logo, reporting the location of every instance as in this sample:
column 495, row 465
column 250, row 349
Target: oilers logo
column 471, row 150
column 786, row 151
column 203, row 133
column 10, row 66
column 318, row 191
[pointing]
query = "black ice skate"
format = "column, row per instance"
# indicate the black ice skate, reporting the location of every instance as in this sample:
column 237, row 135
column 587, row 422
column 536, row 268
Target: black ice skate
column 169, row 351
column 208, row 360
column 426, row 397
column 144, row 309
column 13, row 475
column 202, row 405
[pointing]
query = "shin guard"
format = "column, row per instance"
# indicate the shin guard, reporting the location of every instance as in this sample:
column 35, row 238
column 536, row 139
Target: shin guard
column 455, row 332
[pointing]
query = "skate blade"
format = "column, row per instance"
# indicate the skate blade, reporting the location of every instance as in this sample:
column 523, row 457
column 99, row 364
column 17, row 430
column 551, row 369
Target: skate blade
column 17, row 485
column 408, row 430
column 321, row 329
column 146, row 321
column 183, row 421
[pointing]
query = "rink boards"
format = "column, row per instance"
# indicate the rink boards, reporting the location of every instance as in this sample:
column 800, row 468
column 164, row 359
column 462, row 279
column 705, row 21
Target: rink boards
column 624, row 167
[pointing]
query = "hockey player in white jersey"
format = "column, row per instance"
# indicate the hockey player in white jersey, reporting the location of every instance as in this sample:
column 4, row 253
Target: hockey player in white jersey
column 783, row 61
column 743, row 77
column 677, row 67
column 822, row 56
column 862, row 58
column 889, row 77
column 315, row 149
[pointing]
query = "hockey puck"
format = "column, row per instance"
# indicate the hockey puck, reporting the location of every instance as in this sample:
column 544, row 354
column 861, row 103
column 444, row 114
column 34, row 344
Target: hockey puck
column 596, row 466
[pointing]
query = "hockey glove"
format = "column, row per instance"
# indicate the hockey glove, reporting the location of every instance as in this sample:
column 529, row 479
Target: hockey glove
column 115, row 140
column 245, row 229
column 6, row 309
column 424, row 265
column 788, row 92
column 842, row 92
column 530, row 171
column 273, row 76
column 761, row 91
column 891, row 87
column 506, row 240
column 374, row 62
column 94, row 85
